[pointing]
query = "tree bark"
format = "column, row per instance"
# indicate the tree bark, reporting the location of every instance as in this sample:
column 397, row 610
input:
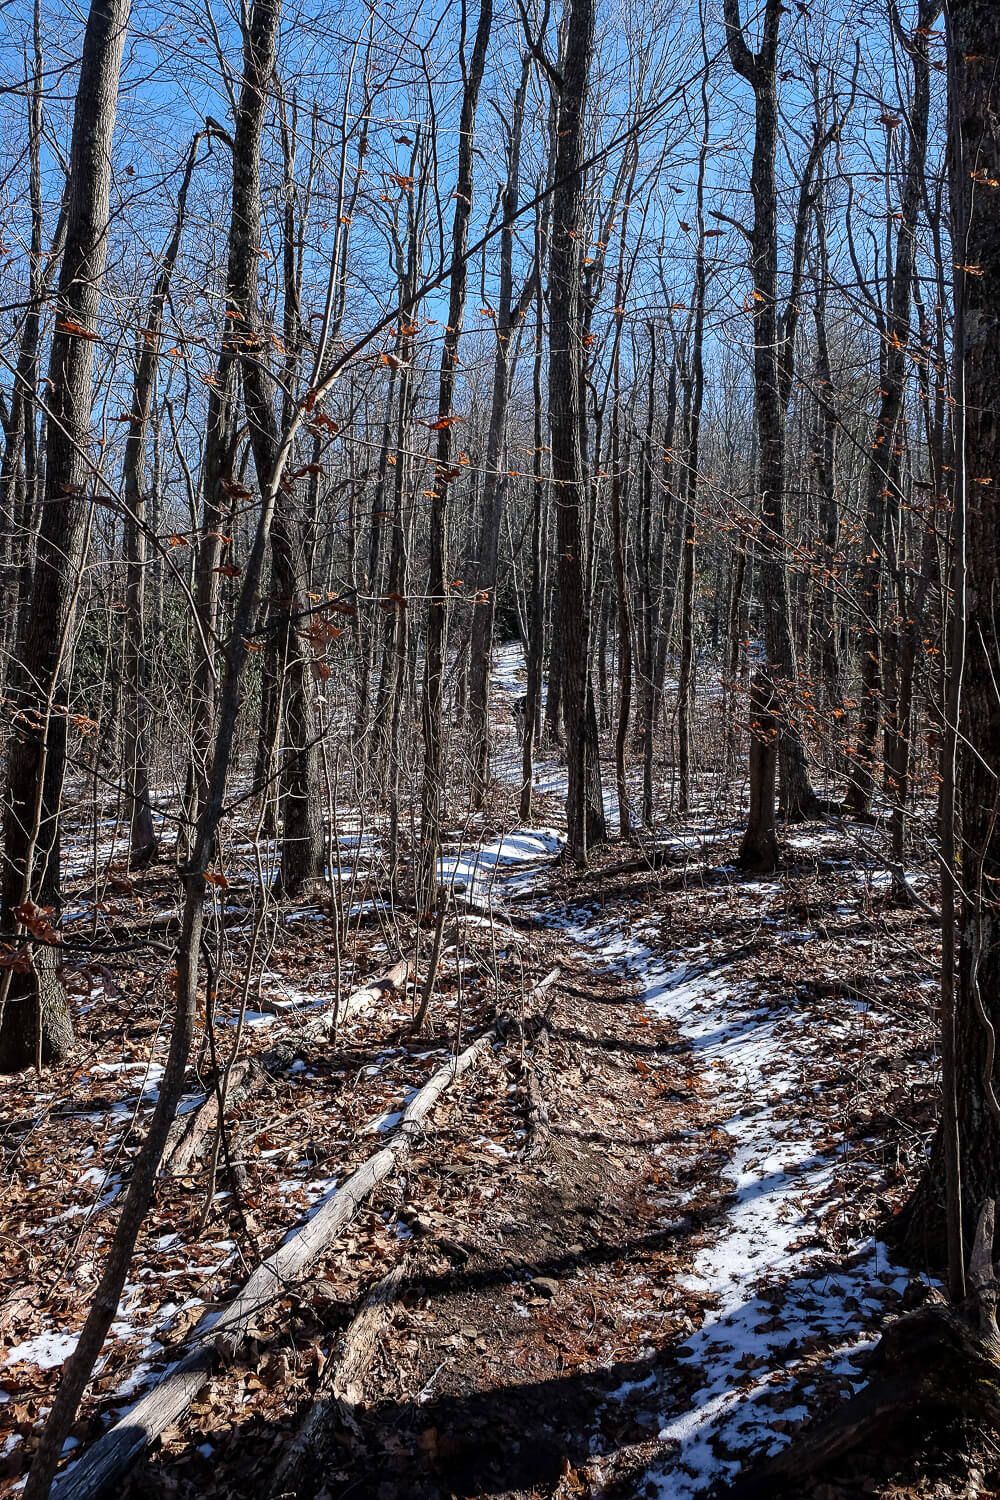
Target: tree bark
column 969, row 1039
column 143, row 845
column 883, row 466
column 584, row 804
column 35, row 1023
column 770, row 377
column 494, row 481
column 759, row 848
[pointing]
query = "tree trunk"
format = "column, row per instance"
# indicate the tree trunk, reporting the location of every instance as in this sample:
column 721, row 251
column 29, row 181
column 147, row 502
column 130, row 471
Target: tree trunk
column 685, row 680
column 35, row 1022
column 883, row 465
column 432, row 791
column 19, row 468
column 759, row 848
column 481, row 634
column 302, row 859
column 760, row 70
column 535, row 647
column 142, row 837
column 975, row 160
column 584, row 809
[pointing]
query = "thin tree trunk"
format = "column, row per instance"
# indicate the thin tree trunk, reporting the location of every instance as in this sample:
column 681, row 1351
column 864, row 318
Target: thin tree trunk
column 507, row 316
column 143, row 846
column 432, row 791
column 535, row 647
column 685, row 681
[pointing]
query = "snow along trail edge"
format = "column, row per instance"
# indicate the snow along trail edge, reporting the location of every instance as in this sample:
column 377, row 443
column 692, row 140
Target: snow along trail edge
column 777, row 1317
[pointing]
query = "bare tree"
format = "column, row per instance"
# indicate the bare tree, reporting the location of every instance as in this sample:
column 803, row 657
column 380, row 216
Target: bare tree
column 35, row 1022
column 584, row 802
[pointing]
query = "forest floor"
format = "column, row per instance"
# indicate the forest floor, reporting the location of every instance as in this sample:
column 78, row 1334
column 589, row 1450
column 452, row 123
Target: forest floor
column 636, row 1244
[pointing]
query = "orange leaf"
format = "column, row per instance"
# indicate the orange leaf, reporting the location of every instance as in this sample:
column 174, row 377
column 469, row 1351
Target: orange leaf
column 71, row 326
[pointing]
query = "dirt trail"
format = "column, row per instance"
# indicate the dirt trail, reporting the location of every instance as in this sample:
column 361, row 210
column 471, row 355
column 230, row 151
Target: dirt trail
column 697, row 1224
column 634, row 1244
column 534, row 1307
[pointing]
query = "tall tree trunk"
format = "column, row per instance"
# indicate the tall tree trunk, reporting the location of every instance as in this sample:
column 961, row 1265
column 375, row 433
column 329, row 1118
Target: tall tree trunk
column 535, row 647
column 507, row 315
column 975, row 46
column 685, row 679
column 584, row 805
column 824, row 464
column 19, row 467
column 760, row 71
column 432, row 792
column 965, row 1166
column 142, row 837
column 35, row 1022
column 619, row 522
column 884, row 460
column 654, row 663
column 302, row 862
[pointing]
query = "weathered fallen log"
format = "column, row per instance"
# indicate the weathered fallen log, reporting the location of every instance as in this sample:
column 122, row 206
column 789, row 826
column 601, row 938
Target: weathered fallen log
column 322, row 1026
column 539, row 1126
column 117, row 1449
column 342, row 1385
column 191, row 1133
column 652, row 859
column 506, row 918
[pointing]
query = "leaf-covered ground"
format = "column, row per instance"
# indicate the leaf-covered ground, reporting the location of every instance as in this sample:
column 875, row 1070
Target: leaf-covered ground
column 639, row 1242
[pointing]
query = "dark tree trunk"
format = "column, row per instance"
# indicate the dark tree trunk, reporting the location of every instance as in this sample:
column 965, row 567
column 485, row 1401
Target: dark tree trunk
column 143, row 845
column 507, row 316
column 535, row 647
column 584, row 806
column 35, row 1021
column 696, row 376
column 374, row 569
column 975, row 160
column 759, row 848
column 301, row 638
column 772, row 348
column 654, row 662
column 19, row 467
column 883, row 466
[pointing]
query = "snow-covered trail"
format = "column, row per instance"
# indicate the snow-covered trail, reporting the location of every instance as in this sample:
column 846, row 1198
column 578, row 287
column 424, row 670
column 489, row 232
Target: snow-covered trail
column 774, row 1309
column 777, row 1319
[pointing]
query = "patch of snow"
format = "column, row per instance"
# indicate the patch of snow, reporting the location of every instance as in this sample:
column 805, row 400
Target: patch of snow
column 45, row 1351
column 477, row 868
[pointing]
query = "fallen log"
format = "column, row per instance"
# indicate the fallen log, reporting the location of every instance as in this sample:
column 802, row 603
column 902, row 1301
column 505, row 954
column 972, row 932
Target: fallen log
column 507, row 918
column 341, row 1387
column 539, row 1125
column 321, row 1027
column 191, row 1133
column 113, row 1453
